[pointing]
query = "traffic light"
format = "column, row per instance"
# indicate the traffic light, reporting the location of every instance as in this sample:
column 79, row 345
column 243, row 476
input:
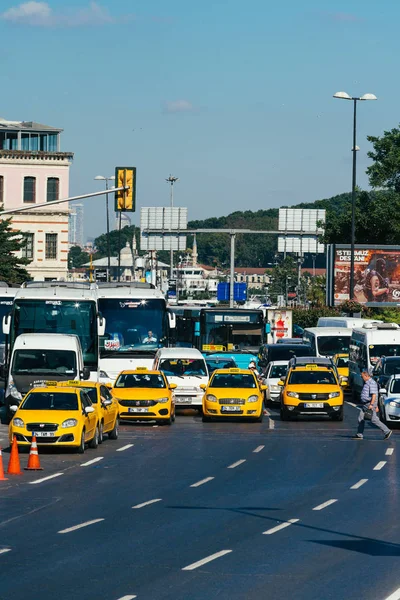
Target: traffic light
column 125, row 200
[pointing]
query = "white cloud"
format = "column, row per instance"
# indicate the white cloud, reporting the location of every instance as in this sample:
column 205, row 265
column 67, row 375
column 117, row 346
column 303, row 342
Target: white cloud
column 178, row 106
column 40, row 14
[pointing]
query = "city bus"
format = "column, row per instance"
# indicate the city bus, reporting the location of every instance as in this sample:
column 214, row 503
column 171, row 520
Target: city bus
column 58, row 307
column 137, row 323
column 187, row 330
column 227, row 329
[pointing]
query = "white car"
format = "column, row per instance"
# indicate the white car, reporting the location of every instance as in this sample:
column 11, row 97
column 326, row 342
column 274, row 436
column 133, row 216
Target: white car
column 389, row 401
column 273, row 373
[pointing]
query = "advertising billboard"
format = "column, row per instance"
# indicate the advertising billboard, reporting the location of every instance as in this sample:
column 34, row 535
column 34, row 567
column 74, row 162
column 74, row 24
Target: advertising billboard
column 281, row 324
column 376, row 275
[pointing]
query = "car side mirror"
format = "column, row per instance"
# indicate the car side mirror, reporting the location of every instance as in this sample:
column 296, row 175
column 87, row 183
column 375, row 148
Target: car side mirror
column 281, row 382
column 382, row 391
column 203, row 386
column 88, row 409
column 107, row 402
column 173, row 386
column 263, row 387
column 14, row 408
column 85, row 373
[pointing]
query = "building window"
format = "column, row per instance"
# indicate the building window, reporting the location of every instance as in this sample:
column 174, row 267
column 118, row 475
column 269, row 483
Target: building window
column 53, row 186
column 29, row 189
column 1, row 189
column 27, row 249
column 51, row 246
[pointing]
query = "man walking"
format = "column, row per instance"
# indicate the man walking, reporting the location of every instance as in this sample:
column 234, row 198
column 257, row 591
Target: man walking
column 369, row 400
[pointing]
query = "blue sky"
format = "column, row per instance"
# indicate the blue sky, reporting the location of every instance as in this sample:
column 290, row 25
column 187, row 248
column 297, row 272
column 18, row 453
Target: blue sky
column 233, row 98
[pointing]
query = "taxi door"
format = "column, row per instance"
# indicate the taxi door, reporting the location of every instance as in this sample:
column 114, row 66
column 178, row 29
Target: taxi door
column 108, row 411
column 90, row 419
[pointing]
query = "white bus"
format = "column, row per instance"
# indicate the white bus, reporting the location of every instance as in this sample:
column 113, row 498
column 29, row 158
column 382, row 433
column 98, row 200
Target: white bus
column 367, row 346
column 137, row 324
column 348, row 322
column 328, row 341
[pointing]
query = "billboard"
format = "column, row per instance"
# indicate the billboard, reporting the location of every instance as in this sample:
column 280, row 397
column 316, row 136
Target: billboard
column 376, row 275
column 308, row 222
column 281, row 324
column 155, row 225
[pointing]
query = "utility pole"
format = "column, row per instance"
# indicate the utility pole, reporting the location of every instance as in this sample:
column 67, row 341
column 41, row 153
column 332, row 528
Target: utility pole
column 171, row 180
column 232, row 277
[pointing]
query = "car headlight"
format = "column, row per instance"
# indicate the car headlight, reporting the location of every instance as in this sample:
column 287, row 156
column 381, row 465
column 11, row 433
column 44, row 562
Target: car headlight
column 275, row 388
column 394, row 404
column 12, row 390
column 69, row 423
column 292, row 394
column 253, row 399
column 211, row 398
column 18, row 422
column 163, row 400
column 334, row 395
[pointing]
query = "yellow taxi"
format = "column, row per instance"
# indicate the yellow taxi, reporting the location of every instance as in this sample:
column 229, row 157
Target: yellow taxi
column 311, row 387
column 105, row 404
column 233, row 393
column 341, row 362
column 145, row 395
column 59, row 416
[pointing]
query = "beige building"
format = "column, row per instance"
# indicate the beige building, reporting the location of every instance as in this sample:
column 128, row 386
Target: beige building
column 255, row 277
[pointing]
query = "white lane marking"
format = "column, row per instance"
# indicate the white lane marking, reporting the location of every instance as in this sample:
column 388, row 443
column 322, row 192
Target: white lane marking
column 4, row 550
column 147, row 503
column 206, row 560
column 271, row 422
column 351, row 404
column 281, row 526
column 127, row 597
column 394, row 596
column 121, row 450
column 325, row 504
column 236, row 464
column 358, row 484
column 45, row 478
column 389, row 451
column 91, row 462
column 380, row 465
column 258, row 449
column 202, row 481
column 75, row 527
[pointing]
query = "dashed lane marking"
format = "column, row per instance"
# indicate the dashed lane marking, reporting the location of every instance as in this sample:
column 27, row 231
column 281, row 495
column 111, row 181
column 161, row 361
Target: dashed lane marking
column 281, row 526
column 325, row 504
column 394, row 596
column 351, row 403
column 380, row 465
column 45, row 478
column 4, row 550
column 389, row 451
column 121, row 450
column 358, row 484
column 258, row 449
column 236, row 464
column 127, row 597
column 206, row 560
column 80, row 526
column 202, row 481
column 143, row 504
column 92, row 462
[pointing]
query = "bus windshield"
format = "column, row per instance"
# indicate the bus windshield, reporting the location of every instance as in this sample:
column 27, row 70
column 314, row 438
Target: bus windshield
column 378, row 350
column 59, row 316
column 132, row 325
column 329, row 345
column 242, row 329
column 5, row 308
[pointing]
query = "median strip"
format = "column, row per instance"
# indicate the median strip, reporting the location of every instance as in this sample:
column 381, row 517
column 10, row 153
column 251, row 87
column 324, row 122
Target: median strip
column 147, row 503
column 91, row 462
column 280, row 527
column 380, row 465
column 236, row 464
column 325, row 504
column 202, row 481
column 80, row 526
column 206, row 560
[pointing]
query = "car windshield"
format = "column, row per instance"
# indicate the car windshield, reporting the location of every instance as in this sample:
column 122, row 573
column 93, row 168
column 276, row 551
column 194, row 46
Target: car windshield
column 233, row 380
column 278, row 371
column 376, row 352
column 138, row 380
column 285, row 352
column 342, row 362
column 45, row 362
column 395, row 387
column 180, row 367
column 391, row 367
column 329, row 345
column 50, row 401
column 312, row 378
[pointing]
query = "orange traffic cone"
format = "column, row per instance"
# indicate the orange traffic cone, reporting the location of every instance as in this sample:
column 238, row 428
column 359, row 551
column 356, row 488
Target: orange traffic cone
column 14, row 467
column 2, row 478
column 33, row 460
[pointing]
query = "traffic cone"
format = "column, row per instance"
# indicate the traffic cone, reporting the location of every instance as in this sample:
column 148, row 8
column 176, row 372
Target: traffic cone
column 2, row 478
column 33, row 460
column 14, row 467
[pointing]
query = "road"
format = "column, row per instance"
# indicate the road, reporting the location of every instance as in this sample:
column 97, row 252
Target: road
column 203, row 511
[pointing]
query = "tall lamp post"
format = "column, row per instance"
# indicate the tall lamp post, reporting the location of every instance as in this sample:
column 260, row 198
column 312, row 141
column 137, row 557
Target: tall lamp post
column 345, row 96
column 107, row 179
column 172, row 180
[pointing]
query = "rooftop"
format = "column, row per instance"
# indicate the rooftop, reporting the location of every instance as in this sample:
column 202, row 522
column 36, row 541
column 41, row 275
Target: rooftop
column 26, row 126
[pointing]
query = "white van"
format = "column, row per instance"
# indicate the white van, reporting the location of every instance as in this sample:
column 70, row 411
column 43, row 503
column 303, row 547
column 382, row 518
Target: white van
column 40, row 357
column 187, row 368
column 347, row 322
column 367, row 345
column 328, row 341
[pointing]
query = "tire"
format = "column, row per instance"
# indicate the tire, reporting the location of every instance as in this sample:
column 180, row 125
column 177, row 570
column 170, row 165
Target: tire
column 261, row 417
column 81, row 448
column 338, row 416
column 382, row 415
column 206, row 419
column 94, row 442
column 101, row 433
column 284, row 415
column 113, row 435
column 173, row 417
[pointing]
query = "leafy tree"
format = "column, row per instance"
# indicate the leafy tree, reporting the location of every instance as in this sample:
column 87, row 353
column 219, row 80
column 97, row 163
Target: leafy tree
column 11, row 267
column 117, row 241
column 77, row 257
column 385, row 170
column 283, row 278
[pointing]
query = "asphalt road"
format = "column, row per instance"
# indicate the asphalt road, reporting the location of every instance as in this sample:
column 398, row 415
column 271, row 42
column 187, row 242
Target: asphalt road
column 203, row 511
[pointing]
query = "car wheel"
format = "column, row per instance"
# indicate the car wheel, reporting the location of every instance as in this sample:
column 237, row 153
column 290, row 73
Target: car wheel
column 81, row 448
column 337, row 416
column 206, row 419
column 382, row 414
column 113, row 435
column 101, row 433
column 94, row 442
column 173, row 417
column 284, row 415
column 261, row 417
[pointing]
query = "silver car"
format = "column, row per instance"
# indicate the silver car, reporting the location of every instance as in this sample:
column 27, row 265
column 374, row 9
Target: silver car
column 389, row 401
column 275, row 371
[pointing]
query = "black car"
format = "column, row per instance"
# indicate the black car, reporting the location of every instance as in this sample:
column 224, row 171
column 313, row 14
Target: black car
column 270, row 352
column 214, row 363
column 384, row 368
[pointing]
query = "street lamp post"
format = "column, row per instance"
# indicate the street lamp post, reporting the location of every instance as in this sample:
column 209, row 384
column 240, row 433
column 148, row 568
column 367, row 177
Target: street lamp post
column 107, row 179
column 172, row 180
column 345, row 96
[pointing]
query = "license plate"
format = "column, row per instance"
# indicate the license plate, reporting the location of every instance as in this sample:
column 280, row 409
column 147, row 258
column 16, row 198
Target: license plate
column 231, row 409
column 183, row 400
column 138, row 410
column 315, row 405
column 45, row 434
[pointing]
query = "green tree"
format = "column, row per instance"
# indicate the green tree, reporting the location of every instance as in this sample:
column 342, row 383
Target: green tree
column 11, row 267
column 117, row 241
column 283, row 278
column 77, row 257
column 385, row 170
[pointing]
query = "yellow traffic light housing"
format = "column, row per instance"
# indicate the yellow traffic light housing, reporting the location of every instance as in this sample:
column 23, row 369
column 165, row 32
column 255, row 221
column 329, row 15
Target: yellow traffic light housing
column 125, row 200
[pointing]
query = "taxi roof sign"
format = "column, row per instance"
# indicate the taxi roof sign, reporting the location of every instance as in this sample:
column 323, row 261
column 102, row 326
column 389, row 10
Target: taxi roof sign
column 234, row 370
column 142, row 369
